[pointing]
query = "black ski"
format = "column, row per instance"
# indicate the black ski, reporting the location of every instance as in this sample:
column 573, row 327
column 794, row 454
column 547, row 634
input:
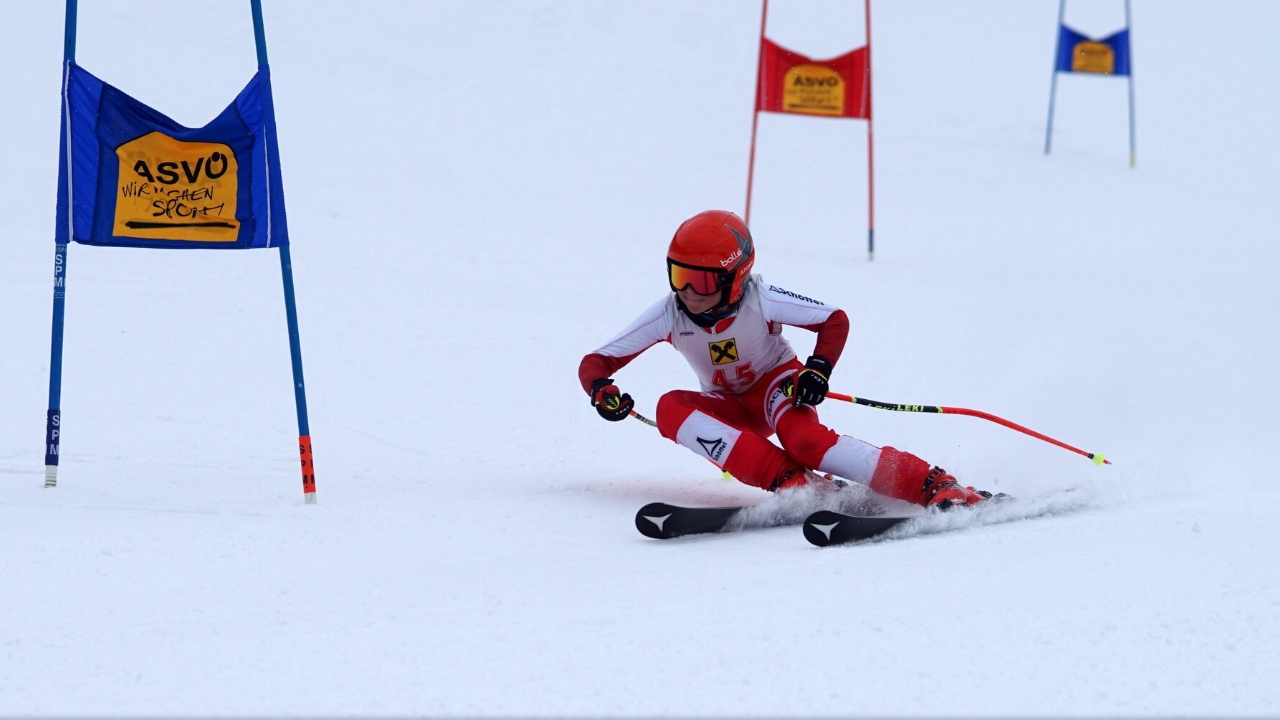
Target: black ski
column 662, row 521
column 826, row 527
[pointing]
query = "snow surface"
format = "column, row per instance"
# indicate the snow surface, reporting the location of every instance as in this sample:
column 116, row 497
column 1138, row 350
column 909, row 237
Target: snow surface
column 479, row 193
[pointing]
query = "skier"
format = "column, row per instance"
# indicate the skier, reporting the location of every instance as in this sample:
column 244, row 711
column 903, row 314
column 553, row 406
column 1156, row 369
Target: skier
column 728, row 325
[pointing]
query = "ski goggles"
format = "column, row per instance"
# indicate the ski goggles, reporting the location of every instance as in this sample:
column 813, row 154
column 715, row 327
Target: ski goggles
column 700, row 280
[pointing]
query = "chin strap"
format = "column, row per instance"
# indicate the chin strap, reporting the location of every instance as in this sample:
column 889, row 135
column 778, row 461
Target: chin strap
column 710, row 317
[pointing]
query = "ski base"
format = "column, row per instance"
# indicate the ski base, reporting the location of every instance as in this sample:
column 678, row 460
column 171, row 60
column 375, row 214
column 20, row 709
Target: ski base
column 663, row 522
column 826, row 527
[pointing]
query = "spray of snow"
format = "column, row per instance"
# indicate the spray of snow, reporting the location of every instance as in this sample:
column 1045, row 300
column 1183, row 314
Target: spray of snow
column 792, row 506
column 990, row 513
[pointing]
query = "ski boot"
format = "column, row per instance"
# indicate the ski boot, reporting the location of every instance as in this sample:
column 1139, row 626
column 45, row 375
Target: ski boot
column 795, row 476
column 942, row 491
column 906, row 477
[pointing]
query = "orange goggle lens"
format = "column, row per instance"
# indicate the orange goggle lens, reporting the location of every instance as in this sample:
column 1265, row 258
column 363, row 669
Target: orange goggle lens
column 700, row 280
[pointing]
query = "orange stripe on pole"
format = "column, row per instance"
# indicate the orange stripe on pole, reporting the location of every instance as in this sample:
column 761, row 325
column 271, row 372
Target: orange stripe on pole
column 308, row 466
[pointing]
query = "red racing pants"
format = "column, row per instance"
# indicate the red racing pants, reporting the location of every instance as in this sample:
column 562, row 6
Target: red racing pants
column 733, row 430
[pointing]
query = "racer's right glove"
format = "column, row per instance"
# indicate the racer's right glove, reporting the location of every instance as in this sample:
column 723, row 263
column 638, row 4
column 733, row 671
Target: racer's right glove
column 609, row 402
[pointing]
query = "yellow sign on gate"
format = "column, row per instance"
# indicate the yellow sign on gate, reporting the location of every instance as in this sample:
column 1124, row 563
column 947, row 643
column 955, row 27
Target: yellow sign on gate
column 174, row 190
column 813, row 89
column 1093, row 57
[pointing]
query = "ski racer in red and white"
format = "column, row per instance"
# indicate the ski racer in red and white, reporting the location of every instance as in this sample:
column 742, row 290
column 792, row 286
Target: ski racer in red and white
column 728, row 325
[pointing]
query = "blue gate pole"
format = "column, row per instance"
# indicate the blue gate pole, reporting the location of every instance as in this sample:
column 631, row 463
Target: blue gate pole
column 1053, row 84
column 53, row 421
column 1133, row 149
column 290, row 306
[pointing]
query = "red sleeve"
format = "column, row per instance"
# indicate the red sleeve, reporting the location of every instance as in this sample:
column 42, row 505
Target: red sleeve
column 832, row 334
column 595, row 366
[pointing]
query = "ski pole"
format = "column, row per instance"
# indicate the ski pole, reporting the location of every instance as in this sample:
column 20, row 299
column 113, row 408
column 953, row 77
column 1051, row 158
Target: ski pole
column 643, row 419
column 1097, row 458
column 724, row 474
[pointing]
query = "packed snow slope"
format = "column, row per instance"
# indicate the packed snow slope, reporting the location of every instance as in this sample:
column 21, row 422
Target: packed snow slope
column 479, row 194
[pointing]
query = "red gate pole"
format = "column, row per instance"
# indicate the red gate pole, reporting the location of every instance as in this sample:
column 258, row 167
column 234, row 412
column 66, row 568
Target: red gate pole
column 755, row 114
column 871, row 181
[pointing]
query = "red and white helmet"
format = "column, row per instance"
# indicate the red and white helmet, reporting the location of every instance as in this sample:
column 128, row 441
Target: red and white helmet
column 711, row 251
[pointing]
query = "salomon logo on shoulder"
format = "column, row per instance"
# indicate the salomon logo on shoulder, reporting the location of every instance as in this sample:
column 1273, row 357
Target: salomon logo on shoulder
column 797, row 296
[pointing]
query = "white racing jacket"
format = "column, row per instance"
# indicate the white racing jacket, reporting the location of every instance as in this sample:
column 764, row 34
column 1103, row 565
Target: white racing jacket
column 738, row 350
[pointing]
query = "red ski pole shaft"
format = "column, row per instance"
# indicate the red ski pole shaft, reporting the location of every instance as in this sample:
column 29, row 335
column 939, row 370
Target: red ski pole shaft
column 1097, row 458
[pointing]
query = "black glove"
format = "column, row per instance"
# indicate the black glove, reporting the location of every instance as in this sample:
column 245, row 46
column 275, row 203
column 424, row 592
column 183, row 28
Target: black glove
column 612, row 405
column 811, row 383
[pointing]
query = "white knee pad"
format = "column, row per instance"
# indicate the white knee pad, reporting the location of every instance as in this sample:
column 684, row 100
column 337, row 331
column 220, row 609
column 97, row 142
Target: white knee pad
column 708, row 437
column 851, row 459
